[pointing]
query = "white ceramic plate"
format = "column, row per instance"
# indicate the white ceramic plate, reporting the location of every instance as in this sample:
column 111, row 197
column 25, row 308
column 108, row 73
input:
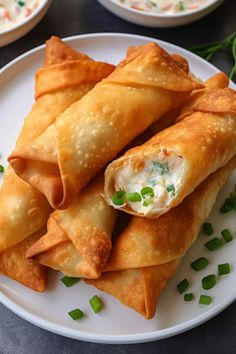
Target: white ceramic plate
column 152, row 19
column 116, row 323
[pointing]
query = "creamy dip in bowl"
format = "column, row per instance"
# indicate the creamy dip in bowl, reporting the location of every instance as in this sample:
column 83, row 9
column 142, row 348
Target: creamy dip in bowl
column 17, row 17
column 164, row 6
column 161, row 13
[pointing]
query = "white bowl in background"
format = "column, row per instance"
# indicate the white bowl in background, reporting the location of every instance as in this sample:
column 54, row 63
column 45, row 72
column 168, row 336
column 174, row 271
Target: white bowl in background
column 12, row 34
column 151, row 19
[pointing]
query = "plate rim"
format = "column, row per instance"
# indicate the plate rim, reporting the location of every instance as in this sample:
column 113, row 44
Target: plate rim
column 111, row 338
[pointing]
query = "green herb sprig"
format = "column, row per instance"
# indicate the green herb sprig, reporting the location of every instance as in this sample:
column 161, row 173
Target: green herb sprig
column 206, row 51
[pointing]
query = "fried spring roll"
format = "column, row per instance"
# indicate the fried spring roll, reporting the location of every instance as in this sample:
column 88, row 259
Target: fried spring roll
column 148, row 252
column 91, row 132
column 78, row 241
column 24, row 210
column 16, row 266
column 151, row 179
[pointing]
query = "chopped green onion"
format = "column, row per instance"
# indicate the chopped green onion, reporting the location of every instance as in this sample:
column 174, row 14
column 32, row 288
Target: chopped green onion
column 227, row 236
column 230, row 202
column 118, row 197
column 223, row 268
column 206, row 51
column 133, row 197
column 226, row 207
column 199, row 264
column 208, row 228
column 205, row 300
column 214, row 244
column 171, row 188
column 1, row 169
column 69, row 281
column 209, row 281
column 147, row 202
column 181, row 6
column 182, row 286
column 188, row 297
column 147, row 192
column 76, row 314
column 162, row 168
column 21, row 3
column 96, row 304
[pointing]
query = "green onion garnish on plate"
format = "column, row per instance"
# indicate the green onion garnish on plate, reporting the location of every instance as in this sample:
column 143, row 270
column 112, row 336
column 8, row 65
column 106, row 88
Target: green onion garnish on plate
column 209, row 281
column 200, row 263
column 133, row 197
column 230, row 202
column 147, row 202
column 227, row 236
column 69, row 281
column 182, row 286
column 1, row 169
column 76, row 314
column 188, row 297
column 118, row 197
column 205, row 300
column 96, row 304
column 223, row 268
column 214, row 244
column 208, row 228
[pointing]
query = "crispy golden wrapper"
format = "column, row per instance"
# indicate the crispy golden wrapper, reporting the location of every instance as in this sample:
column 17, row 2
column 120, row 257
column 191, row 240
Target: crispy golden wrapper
column 148, row 252
column 78, row 241
column 146, row 85
column 204, row 140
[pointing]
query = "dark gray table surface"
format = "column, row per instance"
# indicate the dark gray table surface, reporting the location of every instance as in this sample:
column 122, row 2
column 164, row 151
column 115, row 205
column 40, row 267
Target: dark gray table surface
column 72, row 17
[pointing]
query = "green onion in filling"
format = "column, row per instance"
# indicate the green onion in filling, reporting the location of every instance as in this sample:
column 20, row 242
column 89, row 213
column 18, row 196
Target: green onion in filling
column 118, row 197
column 209, row 281
column 227, row 236
column 96, row 304
column 182, row 286
column 69, row 281
column 147, row 192
column 214, row 244
column 205, row 300
column 208, row 228
column 76, row 314
column 161, row 168
column 133, row 197
column 223, row 268
column 188, row 297
column 200, row 263
column 171, row 188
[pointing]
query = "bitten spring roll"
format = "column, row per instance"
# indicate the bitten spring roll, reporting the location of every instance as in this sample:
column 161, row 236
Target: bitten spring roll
column 91, row 132
column 148, row 252
column 151, row 179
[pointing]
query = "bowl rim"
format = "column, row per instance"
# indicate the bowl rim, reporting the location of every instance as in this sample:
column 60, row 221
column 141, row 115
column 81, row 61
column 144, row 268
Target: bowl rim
column 27, row 19
column 159, row 15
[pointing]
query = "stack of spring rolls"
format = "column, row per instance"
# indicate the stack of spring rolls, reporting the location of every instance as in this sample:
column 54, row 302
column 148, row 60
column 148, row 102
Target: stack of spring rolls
column 65, row 187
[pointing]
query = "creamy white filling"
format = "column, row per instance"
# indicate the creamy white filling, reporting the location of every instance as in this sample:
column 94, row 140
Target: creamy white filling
column 161, row 172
